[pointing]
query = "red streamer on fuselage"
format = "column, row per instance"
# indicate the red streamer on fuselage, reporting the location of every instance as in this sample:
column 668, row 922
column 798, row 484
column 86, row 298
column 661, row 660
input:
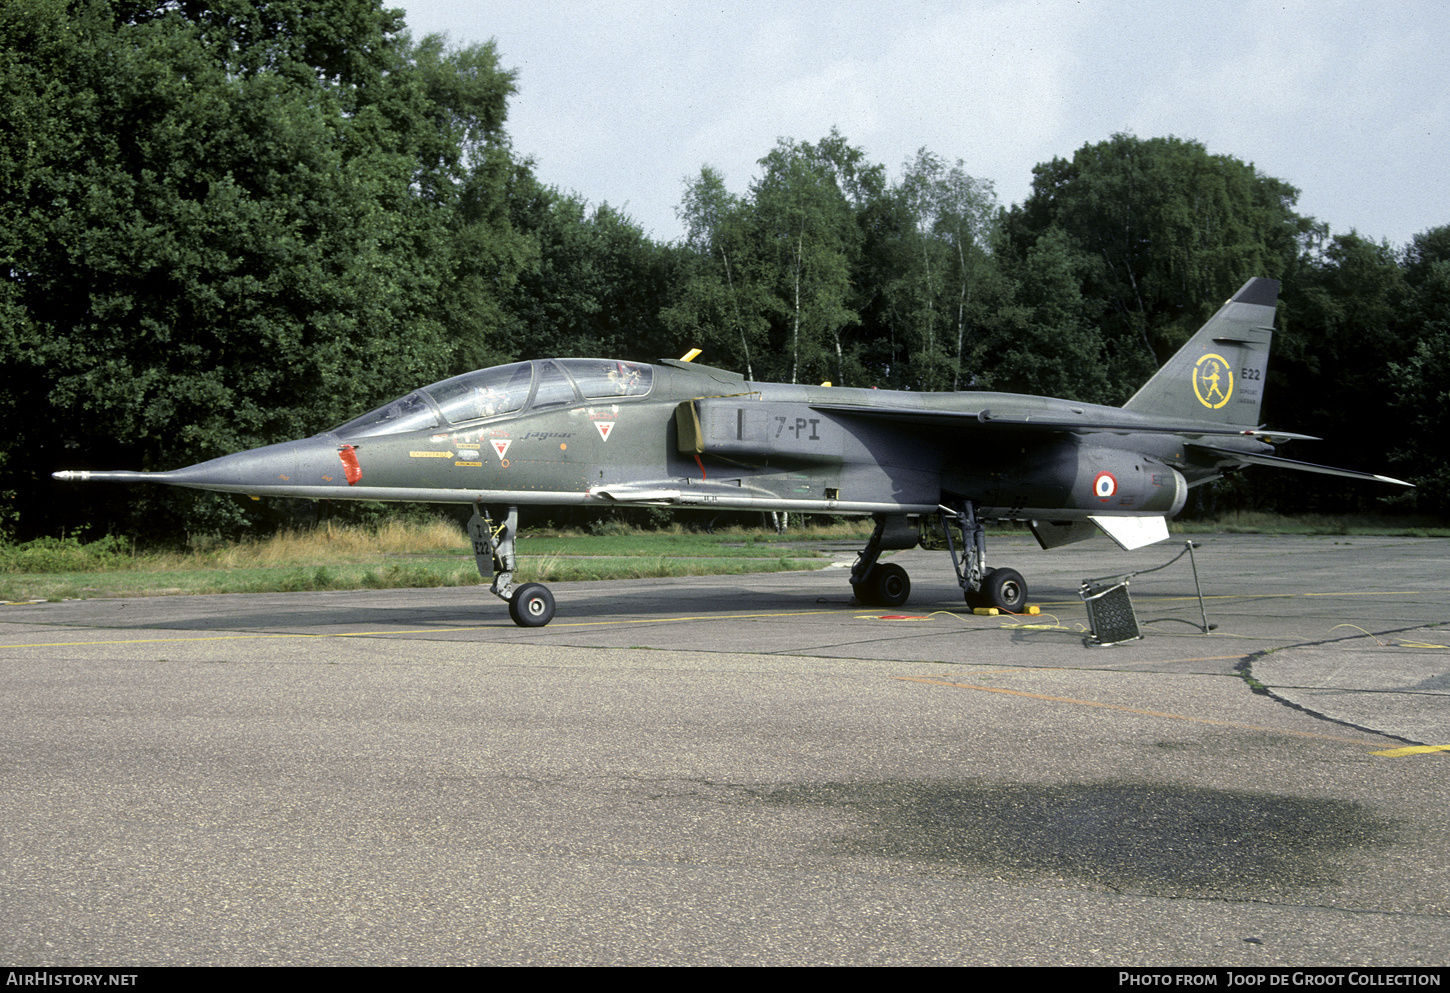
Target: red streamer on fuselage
column 350, row 467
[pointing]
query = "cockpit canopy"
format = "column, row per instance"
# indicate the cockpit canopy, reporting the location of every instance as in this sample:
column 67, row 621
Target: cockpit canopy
column 504, row 389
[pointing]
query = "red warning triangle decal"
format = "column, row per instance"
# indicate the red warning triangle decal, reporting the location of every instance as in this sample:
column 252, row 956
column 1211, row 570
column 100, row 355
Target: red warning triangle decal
column 605, row 427
column 501, row 445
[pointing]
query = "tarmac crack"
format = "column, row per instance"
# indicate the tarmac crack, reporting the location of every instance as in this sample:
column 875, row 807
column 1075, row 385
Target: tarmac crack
column 1245, row 670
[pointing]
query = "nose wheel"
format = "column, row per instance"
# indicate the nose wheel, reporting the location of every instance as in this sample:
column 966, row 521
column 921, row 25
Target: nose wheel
column 531, row 605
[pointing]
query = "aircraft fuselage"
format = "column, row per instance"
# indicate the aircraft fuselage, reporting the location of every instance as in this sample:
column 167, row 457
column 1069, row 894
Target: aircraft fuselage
column 704, row 438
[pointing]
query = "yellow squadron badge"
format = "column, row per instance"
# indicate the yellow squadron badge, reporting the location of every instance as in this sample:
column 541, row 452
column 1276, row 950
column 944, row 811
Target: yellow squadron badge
column 1213, row 381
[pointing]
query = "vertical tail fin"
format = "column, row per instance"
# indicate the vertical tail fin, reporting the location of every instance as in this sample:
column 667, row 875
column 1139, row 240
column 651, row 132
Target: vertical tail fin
column 1219, row 375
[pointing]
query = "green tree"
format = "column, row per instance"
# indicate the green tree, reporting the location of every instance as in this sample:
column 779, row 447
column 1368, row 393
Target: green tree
column 1342, row 325
column 889, row 292
column 1426, row 263
column 952, row 217
column 1044, row 342
column 720, row 305
column 224, row 225
column 1167, row 231
column 1421, row 400
column 454, row 104
column 770, row 277
column 1419, row 384
column 599, row 285
column 805, row 230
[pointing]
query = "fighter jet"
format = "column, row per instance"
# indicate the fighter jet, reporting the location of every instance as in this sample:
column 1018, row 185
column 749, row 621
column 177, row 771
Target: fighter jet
column 597, row 432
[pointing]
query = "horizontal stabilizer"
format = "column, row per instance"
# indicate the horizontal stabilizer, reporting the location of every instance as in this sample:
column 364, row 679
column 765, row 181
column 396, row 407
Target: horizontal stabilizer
column 1133, row 532
column 1281, row 463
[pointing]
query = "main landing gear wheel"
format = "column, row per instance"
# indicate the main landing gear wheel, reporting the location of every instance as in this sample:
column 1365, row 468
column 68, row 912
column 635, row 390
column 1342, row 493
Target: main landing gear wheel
column 1004, row 589
column 532, row 606
column 886, row 586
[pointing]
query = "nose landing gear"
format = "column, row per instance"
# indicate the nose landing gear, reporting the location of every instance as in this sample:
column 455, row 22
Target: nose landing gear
column 530, row 605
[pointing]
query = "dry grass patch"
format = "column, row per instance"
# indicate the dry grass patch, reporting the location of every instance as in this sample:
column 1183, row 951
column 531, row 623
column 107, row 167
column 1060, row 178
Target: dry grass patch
column 340, row 543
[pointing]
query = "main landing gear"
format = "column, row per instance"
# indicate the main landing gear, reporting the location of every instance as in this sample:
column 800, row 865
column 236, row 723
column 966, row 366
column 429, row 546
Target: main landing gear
column 531, row 605
column 888, row 585
column 1004, row 589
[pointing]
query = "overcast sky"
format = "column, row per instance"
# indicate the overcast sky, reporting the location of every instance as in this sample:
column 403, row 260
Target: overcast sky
column 621, row 100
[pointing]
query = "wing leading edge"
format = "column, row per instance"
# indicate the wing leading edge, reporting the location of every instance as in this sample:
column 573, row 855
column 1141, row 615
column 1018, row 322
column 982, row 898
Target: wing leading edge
column 1049, row 422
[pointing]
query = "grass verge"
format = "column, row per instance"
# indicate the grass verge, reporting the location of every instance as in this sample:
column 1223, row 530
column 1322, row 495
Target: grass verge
column 394, row 555
column 402, row 554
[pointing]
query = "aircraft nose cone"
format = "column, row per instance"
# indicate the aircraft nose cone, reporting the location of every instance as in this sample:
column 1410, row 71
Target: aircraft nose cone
column 273, row 470
column 306, row 468
column 278, row 469
column 271, row 465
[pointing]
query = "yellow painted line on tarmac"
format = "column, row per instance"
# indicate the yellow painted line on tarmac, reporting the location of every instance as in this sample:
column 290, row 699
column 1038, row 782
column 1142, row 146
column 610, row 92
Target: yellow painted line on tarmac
column 1147, row 598
column 701, row 617
column 1278, row 596
column 151, row 641
column 1130, row 710
column 387, row 632
column 1369, row 593
column 1395, row 753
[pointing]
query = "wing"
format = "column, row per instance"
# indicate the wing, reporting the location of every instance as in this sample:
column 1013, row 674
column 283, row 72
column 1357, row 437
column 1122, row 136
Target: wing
column 1110, row 421
column 1052, row 421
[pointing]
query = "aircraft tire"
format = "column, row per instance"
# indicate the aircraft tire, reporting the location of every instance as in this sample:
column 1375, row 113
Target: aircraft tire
column 888, row 586
column 1006, row 590
column 532, row 606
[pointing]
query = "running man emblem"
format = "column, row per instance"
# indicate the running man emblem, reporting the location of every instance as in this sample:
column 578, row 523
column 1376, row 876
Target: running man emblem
column 1213, row 381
